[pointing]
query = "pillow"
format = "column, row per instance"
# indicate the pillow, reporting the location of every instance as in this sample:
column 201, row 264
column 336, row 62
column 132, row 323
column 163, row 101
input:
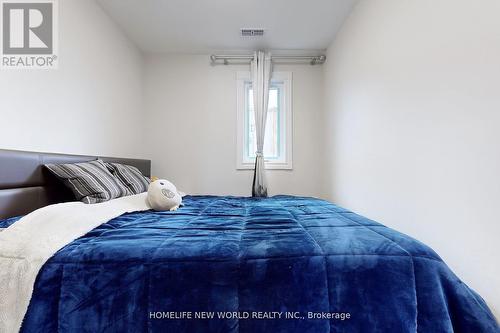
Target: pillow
column 91, row 182
column 129, row 176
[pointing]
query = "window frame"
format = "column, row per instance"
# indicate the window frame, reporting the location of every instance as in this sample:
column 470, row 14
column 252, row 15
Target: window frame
column 244, row 163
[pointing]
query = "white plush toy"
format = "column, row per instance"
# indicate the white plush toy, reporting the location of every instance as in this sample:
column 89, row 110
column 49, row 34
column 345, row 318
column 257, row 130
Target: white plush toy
column 163, row 195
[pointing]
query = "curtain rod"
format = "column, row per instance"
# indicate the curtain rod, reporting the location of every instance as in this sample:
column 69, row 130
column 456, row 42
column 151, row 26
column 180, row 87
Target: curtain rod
column 219, row 59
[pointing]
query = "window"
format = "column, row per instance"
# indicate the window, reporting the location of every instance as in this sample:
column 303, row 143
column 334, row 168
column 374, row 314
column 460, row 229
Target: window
column 278, row 139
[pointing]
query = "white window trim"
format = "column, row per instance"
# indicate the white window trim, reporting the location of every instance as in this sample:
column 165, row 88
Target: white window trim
column 286, row 78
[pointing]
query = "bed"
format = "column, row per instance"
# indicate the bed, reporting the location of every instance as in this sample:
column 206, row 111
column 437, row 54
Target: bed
column 237, row 264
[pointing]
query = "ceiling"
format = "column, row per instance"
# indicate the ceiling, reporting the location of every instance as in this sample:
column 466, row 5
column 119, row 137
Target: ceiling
column 201, row 26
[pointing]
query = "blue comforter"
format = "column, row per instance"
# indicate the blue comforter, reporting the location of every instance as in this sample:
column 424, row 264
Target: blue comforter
column 282, row 264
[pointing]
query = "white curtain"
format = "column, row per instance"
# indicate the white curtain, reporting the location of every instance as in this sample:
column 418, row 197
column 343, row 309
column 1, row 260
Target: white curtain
column 261, row 76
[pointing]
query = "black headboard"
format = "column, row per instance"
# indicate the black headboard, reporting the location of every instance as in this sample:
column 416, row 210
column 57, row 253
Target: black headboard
column 25, row 185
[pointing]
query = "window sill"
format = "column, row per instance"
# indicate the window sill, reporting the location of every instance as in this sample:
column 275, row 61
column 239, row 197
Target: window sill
column 269, row 166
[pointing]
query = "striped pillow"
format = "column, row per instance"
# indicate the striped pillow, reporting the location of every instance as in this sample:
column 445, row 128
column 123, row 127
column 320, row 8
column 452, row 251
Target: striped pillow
column 129, row 176
column 91, row 182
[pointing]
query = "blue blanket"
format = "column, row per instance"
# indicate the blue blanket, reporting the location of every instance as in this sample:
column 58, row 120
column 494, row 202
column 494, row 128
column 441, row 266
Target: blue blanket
column 282, row 264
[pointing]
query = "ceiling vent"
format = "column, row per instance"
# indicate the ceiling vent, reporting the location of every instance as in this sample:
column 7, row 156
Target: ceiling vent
column 252, row 32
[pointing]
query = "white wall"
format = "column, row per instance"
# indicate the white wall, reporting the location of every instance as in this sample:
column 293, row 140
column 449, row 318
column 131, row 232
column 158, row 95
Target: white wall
column 191, row 119
column 90, row 105
column 413, row 127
